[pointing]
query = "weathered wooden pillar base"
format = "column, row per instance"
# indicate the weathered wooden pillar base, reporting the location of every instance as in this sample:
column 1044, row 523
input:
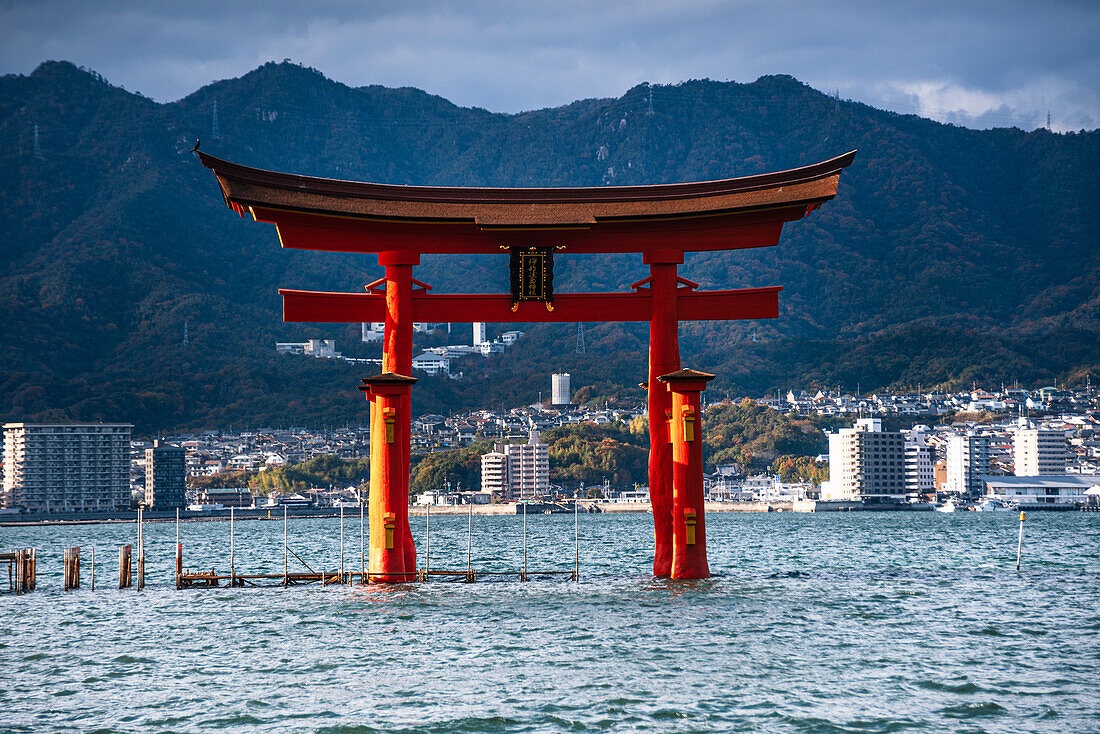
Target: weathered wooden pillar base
column 689, row 534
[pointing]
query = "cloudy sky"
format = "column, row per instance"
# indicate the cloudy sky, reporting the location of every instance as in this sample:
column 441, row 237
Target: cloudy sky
column 980, row 64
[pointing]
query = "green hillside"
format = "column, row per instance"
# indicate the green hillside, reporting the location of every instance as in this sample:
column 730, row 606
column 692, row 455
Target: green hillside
column 950, row 254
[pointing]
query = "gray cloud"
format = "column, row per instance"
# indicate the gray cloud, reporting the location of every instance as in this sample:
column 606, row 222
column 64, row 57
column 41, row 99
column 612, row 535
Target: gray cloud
column 976, row 63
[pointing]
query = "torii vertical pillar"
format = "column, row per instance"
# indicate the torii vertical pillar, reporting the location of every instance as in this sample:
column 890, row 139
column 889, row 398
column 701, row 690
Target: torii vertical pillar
column 390, row 435
column 689, row 534
column 664, row 357
column 397, row 349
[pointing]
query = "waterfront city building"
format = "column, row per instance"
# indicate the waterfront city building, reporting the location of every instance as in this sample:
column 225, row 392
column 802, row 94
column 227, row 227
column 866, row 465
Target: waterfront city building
column 165, row 474
column 1049, row 489
column 517, row 471
column 1037, row 452
column 66, row 467
column 919, row 462
column 967, row 462
column 494, row 473
column 866, row 463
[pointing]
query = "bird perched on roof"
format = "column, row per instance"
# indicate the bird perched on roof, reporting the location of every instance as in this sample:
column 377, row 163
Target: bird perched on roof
column 196, row 145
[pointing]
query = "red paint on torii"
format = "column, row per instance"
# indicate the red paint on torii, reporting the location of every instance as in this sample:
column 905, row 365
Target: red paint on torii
column 660, row 222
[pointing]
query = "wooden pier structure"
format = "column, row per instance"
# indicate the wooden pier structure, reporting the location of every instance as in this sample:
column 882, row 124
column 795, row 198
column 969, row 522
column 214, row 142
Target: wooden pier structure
column 186, row 579
column 22, row 569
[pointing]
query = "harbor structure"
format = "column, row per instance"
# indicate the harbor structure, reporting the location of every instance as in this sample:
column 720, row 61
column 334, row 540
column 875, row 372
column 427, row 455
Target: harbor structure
column 165, row 476
column 401, row 223
column 866, row 464
column 1047, row 491
column 52, row 467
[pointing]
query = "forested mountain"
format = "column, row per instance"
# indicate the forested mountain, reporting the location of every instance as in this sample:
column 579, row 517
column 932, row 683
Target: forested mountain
column 949, row 255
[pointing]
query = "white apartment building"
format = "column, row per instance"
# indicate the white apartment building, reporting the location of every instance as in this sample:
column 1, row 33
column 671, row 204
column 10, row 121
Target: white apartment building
column 967, row 462
column 1037, row 452
column 560, row 389
column 67, row 467
column 866, row 463
column 432, row 363
column 479, row 333
column 919, row 463
column 320, row 348
column 494, row 473
column 517, row 471
column 373, row 332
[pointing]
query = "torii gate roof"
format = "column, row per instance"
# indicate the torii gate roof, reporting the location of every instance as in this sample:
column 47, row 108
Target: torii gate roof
column 353, row 216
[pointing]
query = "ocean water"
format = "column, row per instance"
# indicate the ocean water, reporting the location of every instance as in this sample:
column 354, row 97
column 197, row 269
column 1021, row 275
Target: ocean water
column 854, row 622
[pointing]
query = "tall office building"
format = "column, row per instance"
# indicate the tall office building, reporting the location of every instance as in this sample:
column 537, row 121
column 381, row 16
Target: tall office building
column 967, row 462
column 518, row 471
column 165, row 476
column 66, row 468
column 1037, row 451
column 866, row 463
column 560, row 388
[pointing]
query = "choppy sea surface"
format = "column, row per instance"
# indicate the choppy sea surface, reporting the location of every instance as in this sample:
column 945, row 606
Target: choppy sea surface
column 854, row 622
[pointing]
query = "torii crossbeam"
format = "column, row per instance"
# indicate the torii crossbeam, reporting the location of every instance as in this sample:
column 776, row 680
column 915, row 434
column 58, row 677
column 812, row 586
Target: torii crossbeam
column 660, row 222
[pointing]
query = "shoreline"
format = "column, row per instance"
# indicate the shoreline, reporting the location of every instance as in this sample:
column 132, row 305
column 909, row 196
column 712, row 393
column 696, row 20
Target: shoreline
column 587, row 507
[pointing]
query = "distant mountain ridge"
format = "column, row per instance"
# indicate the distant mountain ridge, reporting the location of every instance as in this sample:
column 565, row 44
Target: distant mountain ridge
column 949, row 255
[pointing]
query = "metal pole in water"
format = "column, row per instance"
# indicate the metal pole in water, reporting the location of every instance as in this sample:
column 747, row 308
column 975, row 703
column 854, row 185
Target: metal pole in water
column 362, row 552
column 524, row 577
column 232, row 559
column 93, row 568
column 427, row 540
column 576, row 541
column 1020, row 542
column 286, row 566
column 141, row 552
column 341, row 544
column 470, row 541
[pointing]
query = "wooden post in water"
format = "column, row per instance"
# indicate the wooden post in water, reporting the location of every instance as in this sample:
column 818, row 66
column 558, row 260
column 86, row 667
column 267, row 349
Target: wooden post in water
column 286, row 564
column 20, row 571
column 362, row 546
column 470, row 543
column 341, row 544
column 427, row 540
column 72, row 568
column 33, row 576
column 523, row 576
column 93, row 568
column 124, row 566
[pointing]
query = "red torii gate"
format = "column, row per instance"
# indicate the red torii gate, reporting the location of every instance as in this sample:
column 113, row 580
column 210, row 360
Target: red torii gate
column 661, row 222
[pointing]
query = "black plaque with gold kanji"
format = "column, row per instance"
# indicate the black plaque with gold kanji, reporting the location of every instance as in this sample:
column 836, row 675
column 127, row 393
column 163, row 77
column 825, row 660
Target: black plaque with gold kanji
column 532, row 271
